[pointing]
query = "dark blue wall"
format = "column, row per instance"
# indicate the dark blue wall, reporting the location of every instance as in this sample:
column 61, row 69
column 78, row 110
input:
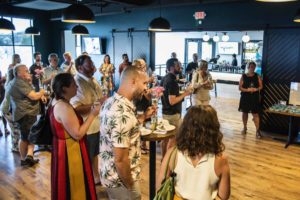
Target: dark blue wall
column 220, row 17
column 273, row 18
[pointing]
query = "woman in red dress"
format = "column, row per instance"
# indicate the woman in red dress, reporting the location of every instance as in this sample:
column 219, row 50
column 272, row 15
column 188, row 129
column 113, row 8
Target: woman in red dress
column 71, row 171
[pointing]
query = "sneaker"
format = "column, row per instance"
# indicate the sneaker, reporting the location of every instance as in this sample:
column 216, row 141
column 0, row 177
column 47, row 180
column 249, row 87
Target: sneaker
column 144, row 152
column 1, row 134
column 31, row 160
column 25, row 163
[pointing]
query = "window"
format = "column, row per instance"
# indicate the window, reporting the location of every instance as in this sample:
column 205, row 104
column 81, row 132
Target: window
column 78, row 45
column 16, row 42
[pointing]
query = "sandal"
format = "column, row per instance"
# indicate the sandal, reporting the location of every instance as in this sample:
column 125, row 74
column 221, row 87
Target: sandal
column 244, row 131
column 258, row 134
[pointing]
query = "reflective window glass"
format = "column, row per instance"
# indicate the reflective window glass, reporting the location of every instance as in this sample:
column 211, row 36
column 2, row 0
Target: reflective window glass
column 20, row 38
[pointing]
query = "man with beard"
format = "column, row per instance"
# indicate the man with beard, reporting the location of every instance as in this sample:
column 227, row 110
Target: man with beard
column 36, row 70
column 171, row 100
column 88, row 93
column 120, row 150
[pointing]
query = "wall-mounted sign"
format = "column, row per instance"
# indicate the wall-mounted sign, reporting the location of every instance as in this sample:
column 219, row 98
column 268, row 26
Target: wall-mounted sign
column 199, row 15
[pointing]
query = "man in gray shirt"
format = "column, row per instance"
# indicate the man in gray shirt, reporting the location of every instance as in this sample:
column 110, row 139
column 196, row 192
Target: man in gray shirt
column 53, row 69
column 25, row 108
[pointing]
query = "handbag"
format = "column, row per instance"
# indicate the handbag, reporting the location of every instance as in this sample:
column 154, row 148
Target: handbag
column 167, row 188
column 40, row 132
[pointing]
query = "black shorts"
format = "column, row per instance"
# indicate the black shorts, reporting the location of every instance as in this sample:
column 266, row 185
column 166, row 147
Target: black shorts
column 24, row 124
column 93, row 144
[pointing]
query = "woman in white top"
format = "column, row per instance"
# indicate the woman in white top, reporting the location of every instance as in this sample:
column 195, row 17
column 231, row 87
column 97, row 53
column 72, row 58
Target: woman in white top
column 202, row 83
column 202, row 171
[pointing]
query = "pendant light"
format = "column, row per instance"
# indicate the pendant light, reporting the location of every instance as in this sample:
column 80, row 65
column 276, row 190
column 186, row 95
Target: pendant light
column 225, row 37
column 275, row 1
column 80, row 30
column 216, row 38
column 159, row 23
column 6, row 25
column 78, row 13
column 246, row 38
column 297, row 17
column 205, row 37
column 32, row 30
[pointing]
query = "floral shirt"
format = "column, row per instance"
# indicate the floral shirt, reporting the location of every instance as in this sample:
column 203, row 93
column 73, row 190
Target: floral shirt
column 119, row 128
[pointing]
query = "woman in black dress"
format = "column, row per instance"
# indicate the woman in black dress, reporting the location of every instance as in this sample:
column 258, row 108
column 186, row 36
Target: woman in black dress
column 250, row 86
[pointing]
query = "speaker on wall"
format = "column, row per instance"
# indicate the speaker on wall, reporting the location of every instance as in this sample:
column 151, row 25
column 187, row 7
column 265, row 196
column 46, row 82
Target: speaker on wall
column 103, row 45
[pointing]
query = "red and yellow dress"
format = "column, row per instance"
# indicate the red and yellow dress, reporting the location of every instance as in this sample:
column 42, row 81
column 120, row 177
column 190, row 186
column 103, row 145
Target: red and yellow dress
column 71, row 171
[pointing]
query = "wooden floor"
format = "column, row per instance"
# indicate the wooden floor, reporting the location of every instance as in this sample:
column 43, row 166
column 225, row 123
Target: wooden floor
column 261, row 169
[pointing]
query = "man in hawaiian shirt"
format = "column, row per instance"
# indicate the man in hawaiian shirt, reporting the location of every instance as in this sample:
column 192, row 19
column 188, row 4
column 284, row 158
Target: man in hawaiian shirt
column 120, row 150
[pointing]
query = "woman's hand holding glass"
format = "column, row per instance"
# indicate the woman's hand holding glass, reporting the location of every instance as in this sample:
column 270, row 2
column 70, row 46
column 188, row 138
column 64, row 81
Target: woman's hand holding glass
column 98, row 103
column 96, row 108
column 188, row 89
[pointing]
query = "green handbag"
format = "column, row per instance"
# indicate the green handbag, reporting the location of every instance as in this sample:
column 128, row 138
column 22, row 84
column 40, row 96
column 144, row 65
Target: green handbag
column 167, row 188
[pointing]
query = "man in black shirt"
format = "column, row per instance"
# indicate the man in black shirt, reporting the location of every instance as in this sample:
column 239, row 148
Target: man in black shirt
column 37, row 65
column 171, row 100
column 214, row 60
column 234, row 60
column 192, row 66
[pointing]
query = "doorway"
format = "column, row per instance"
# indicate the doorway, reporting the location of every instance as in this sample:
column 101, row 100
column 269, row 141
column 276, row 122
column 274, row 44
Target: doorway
column 197, row 45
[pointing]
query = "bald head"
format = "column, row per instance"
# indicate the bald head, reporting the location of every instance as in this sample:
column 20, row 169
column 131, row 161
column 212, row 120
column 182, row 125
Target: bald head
column 21, row 71
column 18, row 69
column 133, row 82
column 130, row 73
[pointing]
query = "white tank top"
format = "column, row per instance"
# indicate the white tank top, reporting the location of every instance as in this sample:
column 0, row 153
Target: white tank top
column 198, row 182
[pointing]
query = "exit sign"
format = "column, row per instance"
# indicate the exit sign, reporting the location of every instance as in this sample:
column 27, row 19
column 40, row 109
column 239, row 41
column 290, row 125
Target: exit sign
column 199, row 15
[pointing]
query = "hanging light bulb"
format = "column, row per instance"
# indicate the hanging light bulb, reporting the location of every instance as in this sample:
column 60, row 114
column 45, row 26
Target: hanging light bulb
column 216, row 38
column 246, row 38
column 225, row 37
column 205, row 37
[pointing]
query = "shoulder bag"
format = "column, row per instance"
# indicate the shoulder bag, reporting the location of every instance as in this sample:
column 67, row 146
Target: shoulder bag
column 40, row 132
column 167, row 188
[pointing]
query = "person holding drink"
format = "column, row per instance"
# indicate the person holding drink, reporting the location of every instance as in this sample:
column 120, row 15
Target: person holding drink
column 88, row 94
column 250, row 85
column 172, row 100
column 120, row 151
column 71, row 171
column 202, row 83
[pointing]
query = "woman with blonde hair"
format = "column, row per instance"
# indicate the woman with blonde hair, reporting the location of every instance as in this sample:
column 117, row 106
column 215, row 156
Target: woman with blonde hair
column 201, row 83
column 200, row 168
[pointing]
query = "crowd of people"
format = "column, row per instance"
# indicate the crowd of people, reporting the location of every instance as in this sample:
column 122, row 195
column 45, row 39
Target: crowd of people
column 96, row 127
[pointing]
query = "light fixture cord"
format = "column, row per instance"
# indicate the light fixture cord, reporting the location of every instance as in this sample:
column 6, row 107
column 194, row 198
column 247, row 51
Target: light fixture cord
column 159, row 8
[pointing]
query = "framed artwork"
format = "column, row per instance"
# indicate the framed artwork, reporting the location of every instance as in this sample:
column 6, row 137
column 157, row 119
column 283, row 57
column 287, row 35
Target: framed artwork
column 91, row 45
column 228, row 48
